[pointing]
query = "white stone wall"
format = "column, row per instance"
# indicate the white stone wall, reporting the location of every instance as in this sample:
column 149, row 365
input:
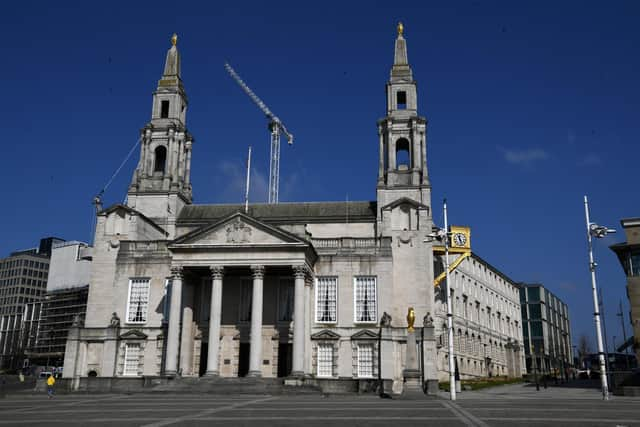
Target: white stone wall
column 66, row 268
column 487, row 322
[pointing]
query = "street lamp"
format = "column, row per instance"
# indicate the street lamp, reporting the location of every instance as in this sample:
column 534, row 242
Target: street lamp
column 443, row 235
column 597, row 231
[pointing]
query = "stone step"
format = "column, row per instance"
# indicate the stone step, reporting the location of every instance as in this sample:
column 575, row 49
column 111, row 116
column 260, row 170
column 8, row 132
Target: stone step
column 235, row 386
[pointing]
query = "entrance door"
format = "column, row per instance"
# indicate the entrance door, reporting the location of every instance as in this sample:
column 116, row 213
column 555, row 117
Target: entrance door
column 204, row 352
column 285, row 352
column 243, row 359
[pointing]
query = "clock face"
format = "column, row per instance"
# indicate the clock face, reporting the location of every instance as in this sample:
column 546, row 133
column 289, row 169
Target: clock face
column 459, row 239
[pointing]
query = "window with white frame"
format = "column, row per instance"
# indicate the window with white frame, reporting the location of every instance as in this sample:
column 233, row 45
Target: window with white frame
column 325, row 360
column 131, row 359
column 166, row 299
column 365, row 360
column 326, row 299
column 138, row 304
column 365, row 299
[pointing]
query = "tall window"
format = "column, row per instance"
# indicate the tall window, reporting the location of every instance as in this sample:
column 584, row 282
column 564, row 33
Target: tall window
column 286, row 295
column 131, row 359
column 326, row 299
column 365, row 299
column 325, row 360
column 634, row 264
column 465, row 302
column 365, row 360
column 138, row 305
column 403, row 158
column 401, row 98
column 246, row 288
column 166, row 299
column 160, row 159
column 164, row 109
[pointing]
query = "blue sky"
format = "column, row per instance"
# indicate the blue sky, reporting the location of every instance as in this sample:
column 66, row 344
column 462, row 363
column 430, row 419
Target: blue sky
column 530, row 106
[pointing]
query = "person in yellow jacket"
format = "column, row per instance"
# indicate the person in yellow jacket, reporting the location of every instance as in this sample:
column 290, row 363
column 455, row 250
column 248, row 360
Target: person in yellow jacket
column 50, row 382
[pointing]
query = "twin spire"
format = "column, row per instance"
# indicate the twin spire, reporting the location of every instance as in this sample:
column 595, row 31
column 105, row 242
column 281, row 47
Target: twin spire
column 400, row 70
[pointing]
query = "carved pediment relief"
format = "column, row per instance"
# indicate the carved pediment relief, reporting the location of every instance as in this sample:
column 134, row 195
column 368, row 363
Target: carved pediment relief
column 325, row 335
column 238, row 232
column 237, row 229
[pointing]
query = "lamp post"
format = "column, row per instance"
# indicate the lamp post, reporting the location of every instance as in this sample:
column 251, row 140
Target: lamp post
column 443, row 235
column 595, row 230
column 535, row 366
column 452, row 369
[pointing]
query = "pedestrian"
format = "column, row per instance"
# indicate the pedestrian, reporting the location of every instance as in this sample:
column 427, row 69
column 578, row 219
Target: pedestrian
column 50, row 383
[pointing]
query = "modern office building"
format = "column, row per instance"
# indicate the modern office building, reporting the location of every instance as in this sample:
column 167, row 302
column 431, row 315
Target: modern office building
column 486, row 314
column 629, row 256
column 23, row 280
column 64, row 303
column 546, row 330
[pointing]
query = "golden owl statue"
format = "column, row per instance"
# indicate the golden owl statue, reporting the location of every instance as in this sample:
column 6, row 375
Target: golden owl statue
column 411, row 318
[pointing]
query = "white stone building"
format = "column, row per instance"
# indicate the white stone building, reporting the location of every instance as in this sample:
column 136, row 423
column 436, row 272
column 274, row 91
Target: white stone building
column 486, row 317
column 283, row 290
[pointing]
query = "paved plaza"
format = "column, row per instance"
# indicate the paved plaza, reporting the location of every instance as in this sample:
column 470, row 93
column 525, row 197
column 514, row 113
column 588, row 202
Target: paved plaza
column 501, row 406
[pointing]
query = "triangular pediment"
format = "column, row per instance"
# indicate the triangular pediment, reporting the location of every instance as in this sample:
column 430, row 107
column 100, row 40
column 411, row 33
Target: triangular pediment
column 365, row 334
column 133, row 335
column 405, row 201
column 237, row 229
column 325, row 335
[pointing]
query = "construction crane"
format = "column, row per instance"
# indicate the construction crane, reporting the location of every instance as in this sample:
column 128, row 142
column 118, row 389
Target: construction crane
column 276, row 127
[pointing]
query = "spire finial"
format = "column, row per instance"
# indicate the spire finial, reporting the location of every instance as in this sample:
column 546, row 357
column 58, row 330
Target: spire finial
column 400, row 29
column 174, row 39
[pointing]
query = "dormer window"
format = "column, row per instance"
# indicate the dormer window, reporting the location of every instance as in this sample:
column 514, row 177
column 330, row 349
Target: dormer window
column 164, row 109
column 401, row 100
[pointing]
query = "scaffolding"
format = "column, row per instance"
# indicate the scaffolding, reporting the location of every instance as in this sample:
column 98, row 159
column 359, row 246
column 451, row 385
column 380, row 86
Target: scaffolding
column 60, row 309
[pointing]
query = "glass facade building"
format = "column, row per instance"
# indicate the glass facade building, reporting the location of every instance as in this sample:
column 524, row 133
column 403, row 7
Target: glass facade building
column 23, row 281
column 546, row 331
column 629, row 256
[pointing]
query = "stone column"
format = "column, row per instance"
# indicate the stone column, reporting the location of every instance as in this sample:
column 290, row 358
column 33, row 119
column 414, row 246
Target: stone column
column 423, row 141
column 308, row 289
column 255, row 350
column 392, row 155
column 415, row 154
column 186, row 339
column 187, row 173
column 381, row 161
column 213, row 368
column 173, row 335
column 148, row 157
column 179, row 176
column 297, row 369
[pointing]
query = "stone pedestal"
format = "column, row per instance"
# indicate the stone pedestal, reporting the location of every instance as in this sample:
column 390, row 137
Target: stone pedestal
column 429, row 353
column 412, row 389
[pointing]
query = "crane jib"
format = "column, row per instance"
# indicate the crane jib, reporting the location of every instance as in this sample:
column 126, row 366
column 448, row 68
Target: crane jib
column 275, row 126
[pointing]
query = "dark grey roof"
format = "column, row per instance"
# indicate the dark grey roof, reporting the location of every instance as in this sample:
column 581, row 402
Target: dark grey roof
column 285, row 212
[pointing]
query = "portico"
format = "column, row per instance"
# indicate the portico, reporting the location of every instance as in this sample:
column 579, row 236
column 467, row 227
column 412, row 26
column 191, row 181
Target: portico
column 217, row 286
